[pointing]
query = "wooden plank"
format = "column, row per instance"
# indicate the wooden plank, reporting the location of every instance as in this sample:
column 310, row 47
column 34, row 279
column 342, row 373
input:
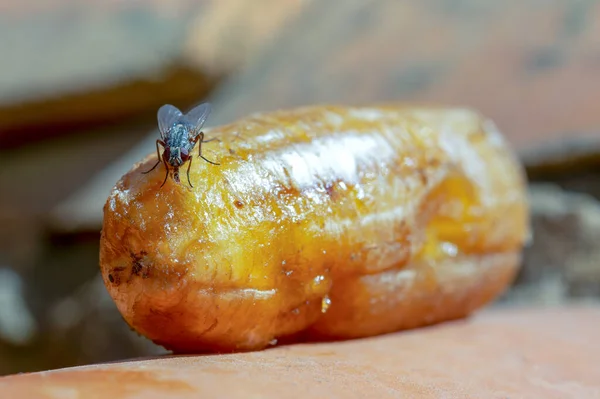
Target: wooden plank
column 151, row 52
column 532, row 66
column 106, row 61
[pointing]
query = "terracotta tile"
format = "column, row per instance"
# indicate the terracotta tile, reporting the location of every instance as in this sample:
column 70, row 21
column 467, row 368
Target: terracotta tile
column 528, row 353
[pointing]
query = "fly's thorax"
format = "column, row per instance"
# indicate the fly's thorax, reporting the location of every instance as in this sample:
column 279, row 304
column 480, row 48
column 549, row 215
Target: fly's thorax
column 180, row 135
column 178, row 143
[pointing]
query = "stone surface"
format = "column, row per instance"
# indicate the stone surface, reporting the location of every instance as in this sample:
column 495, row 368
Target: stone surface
column 528, row 353
column 562, row 262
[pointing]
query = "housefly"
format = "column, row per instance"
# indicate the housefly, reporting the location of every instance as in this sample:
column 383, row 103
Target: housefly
column 179, row 134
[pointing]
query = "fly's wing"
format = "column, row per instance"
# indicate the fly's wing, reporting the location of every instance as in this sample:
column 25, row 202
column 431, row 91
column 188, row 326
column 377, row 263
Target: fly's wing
column 198, row 115
column 167, row 115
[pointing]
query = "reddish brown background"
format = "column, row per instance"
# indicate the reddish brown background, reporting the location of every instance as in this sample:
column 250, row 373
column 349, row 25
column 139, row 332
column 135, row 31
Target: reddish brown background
column 532, row 66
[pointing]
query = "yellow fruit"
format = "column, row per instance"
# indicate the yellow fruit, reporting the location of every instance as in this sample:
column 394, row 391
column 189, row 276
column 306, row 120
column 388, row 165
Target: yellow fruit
column 321, row 222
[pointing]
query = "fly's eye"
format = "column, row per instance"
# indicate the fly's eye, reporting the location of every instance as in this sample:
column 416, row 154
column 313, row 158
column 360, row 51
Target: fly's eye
column 185, row 155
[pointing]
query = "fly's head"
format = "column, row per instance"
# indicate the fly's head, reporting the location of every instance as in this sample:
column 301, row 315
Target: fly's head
column 176, row 156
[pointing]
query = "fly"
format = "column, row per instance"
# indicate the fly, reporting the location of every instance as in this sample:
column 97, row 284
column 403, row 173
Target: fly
column 179, row 134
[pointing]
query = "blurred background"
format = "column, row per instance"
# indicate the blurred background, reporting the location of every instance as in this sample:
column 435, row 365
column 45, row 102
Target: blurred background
column 80, row 83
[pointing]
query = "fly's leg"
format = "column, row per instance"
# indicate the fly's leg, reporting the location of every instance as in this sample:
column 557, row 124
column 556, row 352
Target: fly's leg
column 166, row 173
column 188, row 172
column 200, row 138
column 160, row 159
column 158, row 155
